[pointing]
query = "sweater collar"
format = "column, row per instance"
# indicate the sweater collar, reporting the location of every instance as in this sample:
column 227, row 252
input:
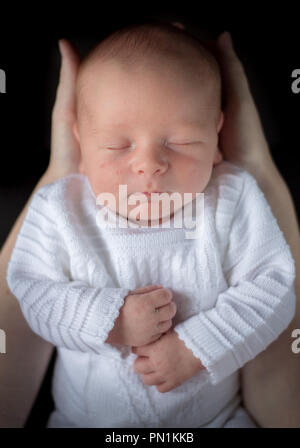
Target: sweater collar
column 181, row 226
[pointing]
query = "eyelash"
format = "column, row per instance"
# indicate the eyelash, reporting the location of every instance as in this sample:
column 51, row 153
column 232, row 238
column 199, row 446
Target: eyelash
column 184, row 144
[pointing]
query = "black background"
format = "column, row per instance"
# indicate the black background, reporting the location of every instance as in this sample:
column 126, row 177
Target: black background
column 266, row 38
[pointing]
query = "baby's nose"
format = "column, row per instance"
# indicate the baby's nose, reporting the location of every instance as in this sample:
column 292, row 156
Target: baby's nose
column 150, row 163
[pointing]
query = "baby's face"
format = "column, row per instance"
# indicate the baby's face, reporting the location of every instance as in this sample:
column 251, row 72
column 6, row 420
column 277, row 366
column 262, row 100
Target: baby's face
column 151, row 129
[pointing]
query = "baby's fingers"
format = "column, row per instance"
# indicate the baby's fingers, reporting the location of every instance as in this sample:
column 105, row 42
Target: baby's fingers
column 166, row 312
column 145, row 289
column 164, row 326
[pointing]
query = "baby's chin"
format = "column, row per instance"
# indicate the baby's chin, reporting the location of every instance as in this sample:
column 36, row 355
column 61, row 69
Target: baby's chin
column 151, row 222
column 155, row 213
column 144, row 220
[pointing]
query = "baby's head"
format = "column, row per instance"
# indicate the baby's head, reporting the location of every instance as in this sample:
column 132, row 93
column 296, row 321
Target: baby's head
column 148, row 104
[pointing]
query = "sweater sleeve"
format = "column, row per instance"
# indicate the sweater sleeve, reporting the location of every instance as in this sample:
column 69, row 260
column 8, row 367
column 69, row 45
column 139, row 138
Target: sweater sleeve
column 260, row 300
column 67, row 313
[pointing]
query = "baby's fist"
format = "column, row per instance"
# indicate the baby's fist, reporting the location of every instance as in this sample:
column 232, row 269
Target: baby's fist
column 146, row 314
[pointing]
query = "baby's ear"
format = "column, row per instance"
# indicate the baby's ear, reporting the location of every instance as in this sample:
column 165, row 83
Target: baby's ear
column 76, row 134
column 81, row 167
column 221, row 122
column 218, row 157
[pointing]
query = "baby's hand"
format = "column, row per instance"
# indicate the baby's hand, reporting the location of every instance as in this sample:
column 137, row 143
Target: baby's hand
column 166, row 362
column 138, row 323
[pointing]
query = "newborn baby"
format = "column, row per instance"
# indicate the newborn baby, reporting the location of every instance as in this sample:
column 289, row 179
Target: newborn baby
column 151, row 327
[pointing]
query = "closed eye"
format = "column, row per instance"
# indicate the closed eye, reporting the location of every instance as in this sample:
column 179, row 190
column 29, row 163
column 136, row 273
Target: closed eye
column 184, row 143
column 116, row 147
column 112, row 148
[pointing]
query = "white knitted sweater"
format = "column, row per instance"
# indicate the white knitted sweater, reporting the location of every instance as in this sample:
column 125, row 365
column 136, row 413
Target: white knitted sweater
column 233, row 289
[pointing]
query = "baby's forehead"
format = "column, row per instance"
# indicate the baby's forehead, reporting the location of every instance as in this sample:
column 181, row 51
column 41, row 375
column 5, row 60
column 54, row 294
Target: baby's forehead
column 177, row 61
column 152, row 45
column 113, row 73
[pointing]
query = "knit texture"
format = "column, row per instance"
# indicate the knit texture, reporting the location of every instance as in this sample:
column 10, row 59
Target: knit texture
column 233, row 288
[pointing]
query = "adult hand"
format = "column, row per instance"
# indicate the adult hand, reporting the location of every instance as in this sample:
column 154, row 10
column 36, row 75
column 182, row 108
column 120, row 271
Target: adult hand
column 65, row 152
column 269, row 382
column 22, row 370
column 242, row 139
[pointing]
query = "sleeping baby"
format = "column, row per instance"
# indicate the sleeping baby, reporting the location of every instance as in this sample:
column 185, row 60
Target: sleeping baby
column 151, row 327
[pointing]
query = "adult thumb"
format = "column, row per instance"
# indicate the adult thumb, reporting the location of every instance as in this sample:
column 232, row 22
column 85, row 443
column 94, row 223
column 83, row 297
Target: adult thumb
column 70, row 60
column 233, row 72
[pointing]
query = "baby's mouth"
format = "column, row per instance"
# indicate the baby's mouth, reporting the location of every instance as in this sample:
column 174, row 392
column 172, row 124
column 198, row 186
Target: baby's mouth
column 153, row 195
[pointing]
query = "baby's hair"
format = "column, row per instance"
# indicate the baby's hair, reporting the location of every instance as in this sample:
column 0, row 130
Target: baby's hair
column 138, row 43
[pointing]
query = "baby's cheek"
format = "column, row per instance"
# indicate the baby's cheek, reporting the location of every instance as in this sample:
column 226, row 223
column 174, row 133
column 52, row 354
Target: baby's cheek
column 113, row 176
column 110, row 169
column 195, row 178
column 194, row 170
column 191, row 172
column 120, row 174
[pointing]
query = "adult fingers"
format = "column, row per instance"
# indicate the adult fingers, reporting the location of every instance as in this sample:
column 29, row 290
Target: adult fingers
column 65, row 95
column 178, row 25
column 232, row 70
